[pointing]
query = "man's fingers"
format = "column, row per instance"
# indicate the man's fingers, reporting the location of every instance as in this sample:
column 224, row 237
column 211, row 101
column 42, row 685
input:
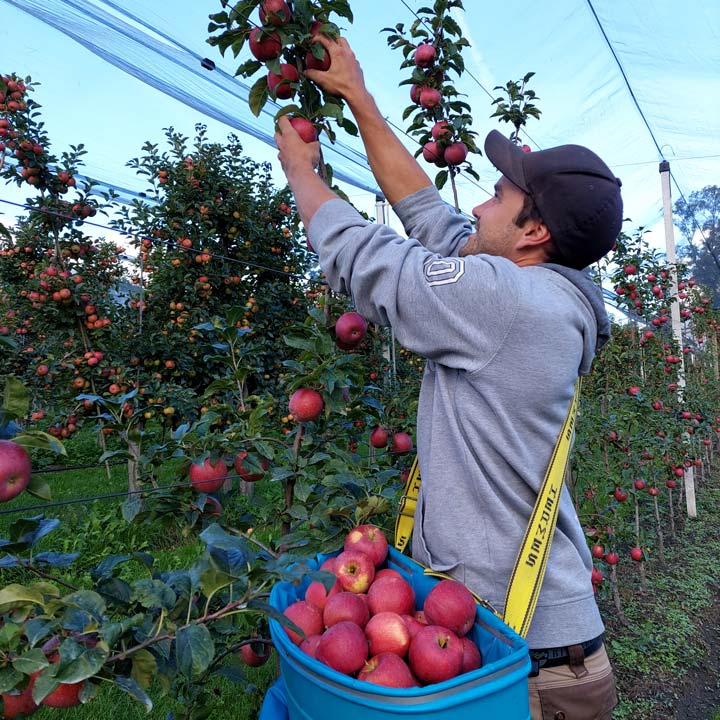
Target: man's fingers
column 283, row 123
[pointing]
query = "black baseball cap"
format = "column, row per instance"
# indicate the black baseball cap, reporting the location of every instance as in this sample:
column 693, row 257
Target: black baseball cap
column 574, row 190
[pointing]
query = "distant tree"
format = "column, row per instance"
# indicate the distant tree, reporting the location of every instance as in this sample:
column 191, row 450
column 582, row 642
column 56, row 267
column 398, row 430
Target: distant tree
column 698, row 219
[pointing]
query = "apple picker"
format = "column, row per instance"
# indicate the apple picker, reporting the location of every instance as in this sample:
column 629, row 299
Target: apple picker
column 507, row 320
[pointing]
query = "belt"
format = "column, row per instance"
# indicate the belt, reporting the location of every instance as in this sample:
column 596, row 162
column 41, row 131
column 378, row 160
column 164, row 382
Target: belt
column 552, row 657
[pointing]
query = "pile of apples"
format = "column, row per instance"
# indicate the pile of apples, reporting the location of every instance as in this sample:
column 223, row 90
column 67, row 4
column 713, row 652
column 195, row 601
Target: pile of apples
column 368, row 625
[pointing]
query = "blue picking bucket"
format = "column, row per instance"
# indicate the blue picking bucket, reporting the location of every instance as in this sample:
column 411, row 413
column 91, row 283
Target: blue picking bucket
column 314, row 691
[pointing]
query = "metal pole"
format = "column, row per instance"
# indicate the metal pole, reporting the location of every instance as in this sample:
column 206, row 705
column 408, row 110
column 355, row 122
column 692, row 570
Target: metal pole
column 675, row 314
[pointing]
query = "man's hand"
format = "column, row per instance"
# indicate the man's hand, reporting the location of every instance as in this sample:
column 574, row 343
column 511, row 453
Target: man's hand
column 299, row 160
column 296, row 156
column 345, row 76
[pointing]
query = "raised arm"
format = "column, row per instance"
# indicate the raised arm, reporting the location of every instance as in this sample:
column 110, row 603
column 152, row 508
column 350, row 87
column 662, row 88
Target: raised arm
column 395, row 169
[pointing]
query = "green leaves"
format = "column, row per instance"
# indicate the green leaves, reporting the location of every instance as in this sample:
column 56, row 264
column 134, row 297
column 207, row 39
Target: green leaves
column 194, row 649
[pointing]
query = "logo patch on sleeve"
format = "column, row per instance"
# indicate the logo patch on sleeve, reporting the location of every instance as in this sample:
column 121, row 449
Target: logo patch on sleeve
column 444, row 271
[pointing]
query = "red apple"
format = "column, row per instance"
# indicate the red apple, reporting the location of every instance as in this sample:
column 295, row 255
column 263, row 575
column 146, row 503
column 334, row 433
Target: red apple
column 598, row 551
column 596, row 576
column 455, row 154
column 345, row 606
column 343, row 647
column 275, row 12
column 306, row 405
column 472, row 658
column 15, row 470
column 620, row 495
column 612, row 558
column 350, row 329
column 639, row 484
column 435, row 654
column 388, row 670
column 67, row 695
column 255, row 659
column 387, row 632
column 369, row 539
column 314, row 63
column 431, row 153
column 208, row 477
column 379, row 437
column 244, row 473
column 430, row 98
column 22, row 703
column 307, row 617
column 636, row 554
column 425, row 55
column 280, row 84
column 317, row 595
column 304, row 128
column 451, row 605
column 441, row 130
column 415, row 91
column 329, row 564
column 412, row 625
column 310, row 645
column 390, row 594
column 42, row 370
column 264, row 45
column 355, row 570
column 387, row 572
column 401, row 443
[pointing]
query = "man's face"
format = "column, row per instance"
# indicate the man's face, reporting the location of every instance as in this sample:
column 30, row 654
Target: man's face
column 496, row 233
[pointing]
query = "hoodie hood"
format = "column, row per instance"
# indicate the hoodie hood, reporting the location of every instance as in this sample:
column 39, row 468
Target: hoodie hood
column 591, row 290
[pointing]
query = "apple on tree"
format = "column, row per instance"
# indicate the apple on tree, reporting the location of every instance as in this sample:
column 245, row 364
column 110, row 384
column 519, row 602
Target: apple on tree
column 275, row 12
column 255, row 654
column 15, row 470
column 379, row 437
column 304, row 128
column 350, row 330
column 208, row 477
column 306, row 404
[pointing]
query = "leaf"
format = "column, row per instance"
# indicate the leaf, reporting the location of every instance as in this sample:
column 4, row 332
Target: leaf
column 106, row 567
column 16, row 399
column 131, row 507
column 89, row 602
column 37, row 487
column 441, row 179
column 56, row 559
column 131, row 687
column 258, row 96
column 31, row 661
column 9, row 678
column 144, row 668
column 40, row 441
column 28, row 531
column 82, row 667
column 15, row 595
column 194, row 649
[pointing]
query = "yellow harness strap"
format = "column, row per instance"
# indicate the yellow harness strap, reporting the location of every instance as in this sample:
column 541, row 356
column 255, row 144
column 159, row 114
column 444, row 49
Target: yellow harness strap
column 531, row 563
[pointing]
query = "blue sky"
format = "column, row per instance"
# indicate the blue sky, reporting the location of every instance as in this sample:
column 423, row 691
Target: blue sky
column 583, row 96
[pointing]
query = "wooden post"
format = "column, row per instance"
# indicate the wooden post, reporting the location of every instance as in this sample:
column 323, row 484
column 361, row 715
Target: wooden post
column 675, row 314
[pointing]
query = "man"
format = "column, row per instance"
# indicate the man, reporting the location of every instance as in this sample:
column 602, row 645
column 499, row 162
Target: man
column 505, row 335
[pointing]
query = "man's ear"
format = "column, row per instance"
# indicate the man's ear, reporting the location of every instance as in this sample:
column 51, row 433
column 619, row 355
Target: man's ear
column 534, row 234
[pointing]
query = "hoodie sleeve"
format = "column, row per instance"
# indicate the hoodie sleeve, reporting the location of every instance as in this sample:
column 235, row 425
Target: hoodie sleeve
column 455, row 311
column 428, row 218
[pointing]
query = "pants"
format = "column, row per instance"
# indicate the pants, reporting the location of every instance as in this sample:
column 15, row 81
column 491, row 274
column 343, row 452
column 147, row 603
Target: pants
column 557, row 693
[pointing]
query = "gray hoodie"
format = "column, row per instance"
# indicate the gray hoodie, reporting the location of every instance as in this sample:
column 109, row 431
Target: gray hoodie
column 504, row 346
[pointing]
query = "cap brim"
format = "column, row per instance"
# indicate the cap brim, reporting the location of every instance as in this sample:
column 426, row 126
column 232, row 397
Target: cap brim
column 506, row 157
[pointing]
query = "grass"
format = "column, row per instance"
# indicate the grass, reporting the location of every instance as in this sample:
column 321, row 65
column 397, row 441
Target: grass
column 664, row 653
